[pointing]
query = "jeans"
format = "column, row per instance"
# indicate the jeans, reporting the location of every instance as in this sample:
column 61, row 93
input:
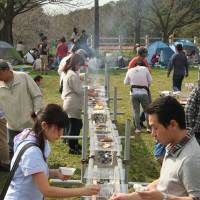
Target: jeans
column 177, row 82
column 11, row 135
column 137, row 100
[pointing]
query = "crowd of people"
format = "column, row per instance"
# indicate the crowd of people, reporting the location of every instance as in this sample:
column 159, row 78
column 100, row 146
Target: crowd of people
column 26, row 120
column 43, row 60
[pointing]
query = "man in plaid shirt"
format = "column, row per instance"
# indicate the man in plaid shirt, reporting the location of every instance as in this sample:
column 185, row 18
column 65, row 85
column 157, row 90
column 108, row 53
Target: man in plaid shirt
column 192, row 113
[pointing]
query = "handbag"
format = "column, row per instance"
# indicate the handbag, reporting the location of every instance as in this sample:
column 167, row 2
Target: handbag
column 14, row 168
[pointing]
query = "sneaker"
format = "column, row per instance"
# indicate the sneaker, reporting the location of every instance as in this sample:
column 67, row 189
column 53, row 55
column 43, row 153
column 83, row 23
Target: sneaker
column 137, row 131
column 148, row 130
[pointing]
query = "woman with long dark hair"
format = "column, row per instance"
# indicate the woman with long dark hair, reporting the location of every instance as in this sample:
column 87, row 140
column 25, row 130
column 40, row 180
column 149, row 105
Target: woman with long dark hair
column 30, row 181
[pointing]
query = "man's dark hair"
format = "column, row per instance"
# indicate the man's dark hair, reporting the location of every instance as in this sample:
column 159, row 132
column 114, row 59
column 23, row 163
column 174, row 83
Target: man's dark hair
column 75, row 30
column 4, row 65
column 41, row 34
column 140, row 63
column 167, row 109
column 179, row 47
column 63, row 39
column 37, row 78
column 142, row 51
column 43, row 38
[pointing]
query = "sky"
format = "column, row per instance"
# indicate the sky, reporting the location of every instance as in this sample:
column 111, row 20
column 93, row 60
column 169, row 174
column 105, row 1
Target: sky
column 56, row 9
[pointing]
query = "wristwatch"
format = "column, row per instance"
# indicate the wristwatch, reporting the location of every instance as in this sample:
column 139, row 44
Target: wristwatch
column 165, row 196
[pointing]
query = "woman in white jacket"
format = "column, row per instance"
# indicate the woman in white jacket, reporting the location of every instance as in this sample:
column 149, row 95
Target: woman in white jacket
column 72, row 95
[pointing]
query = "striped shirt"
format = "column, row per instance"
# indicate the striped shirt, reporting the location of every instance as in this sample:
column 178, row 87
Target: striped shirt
column 171, row 150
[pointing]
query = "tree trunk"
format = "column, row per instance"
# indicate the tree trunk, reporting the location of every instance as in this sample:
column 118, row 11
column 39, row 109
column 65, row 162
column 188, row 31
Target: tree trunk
column 96, row 26
column 6, row 31
column 165, row 36
column 137, row 31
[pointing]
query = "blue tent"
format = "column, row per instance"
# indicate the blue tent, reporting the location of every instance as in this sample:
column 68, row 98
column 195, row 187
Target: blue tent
column 162, row 49
column 189, row 47
column 185, row 43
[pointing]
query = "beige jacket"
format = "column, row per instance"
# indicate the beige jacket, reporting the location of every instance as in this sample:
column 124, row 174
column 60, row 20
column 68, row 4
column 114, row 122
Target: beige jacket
column 19, row 100
column 72, row 94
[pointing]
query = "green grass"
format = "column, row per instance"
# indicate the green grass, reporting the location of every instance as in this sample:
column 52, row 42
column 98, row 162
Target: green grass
column 142, row 166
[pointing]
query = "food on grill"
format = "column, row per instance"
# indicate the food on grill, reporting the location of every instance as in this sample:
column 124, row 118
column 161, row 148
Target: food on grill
column 99, row 116
column 104, row 157
column 106, row 139
column 106, row 145
column 98, row 107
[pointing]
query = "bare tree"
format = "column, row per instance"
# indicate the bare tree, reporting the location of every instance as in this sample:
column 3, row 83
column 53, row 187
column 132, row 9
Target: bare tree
column 170, row 15
column 9, row 9
column 138, row 15
column 134, row 12
column 96, row 26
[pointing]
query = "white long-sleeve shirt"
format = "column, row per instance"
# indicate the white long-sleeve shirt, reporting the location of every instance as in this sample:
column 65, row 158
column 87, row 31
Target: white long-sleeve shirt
column 140, row 76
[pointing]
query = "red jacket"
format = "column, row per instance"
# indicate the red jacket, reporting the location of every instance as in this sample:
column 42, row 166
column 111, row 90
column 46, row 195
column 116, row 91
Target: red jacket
column 133, row 62
column 62, row 50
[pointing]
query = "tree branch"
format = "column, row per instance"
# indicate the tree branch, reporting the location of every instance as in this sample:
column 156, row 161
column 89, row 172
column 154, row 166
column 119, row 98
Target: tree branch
column 181, row 18
column 169, row 13
column 157, row 12
column 152, row 21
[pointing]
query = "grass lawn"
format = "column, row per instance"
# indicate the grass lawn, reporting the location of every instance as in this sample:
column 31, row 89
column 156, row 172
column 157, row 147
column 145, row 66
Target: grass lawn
column 142, row 166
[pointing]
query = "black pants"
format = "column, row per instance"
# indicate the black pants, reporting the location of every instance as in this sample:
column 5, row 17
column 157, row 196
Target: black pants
column 142, row 115
column 74, row 129
column 177, row 82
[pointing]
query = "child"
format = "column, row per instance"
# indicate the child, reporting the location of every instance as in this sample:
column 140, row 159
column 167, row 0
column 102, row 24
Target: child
column 38, row 79
column 30, row 181
column 37, row 65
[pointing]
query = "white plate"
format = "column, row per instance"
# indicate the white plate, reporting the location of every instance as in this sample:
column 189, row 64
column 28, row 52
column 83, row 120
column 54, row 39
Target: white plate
column 67, row 170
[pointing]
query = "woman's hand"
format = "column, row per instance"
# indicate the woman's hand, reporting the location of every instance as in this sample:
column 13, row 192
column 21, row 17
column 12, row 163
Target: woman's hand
column 57, row 173
column 91, row 190
column 62, row 176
